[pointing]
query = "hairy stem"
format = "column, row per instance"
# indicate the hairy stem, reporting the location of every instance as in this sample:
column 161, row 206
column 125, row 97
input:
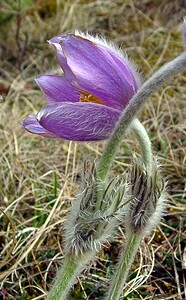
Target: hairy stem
column 166, row 72
column 145, row 143
column 66, row 277
column 124, row 266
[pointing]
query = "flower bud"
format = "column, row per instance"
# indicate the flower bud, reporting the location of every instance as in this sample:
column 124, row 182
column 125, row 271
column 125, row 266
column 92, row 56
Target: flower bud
column 146, row 198
column 93, row 218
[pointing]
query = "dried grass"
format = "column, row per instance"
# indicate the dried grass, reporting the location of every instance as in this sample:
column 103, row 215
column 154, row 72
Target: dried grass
column 40, row 177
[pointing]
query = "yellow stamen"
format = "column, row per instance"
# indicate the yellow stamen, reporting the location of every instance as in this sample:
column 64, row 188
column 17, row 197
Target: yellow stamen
column 90, row 98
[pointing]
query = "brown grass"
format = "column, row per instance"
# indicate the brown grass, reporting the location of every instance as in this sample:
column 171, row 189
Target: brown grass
column 40, row 177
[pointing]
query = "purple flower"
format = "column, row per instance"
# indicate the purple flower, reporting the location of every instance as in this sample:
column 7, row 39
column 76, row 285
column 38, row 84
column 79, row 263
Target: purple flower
column 84, row 103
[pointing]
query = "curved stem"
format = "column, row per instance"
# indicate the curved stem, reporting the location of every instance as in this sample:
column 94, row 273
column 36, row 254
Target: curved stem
column 135, row 105
column 146, row 149
column 145, row 143
column 124, row 266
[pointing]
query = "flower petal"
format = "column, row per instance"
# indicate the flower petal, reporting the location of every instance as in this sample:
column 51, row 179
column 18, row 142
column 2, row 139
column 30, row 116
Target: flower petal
column 62, row 59
column 79, row 121
column 57, row 89
column 32, row 125
column 123, row 62
column 99, row 70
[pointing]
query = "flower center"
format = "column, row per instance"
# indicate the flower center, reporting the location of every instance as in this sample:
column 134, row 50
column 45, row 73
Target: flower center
column 90, row 98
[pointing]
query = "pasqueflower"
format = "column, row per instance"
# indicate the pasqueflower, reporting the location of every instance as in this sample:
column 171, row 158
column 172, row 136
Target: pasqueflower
column 86, row 101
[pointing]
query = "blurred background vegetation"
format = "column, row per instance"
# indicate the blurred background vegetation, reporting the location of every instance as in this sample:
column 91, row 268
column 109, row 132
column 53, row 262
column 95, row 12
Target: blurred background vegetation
column 39, row 178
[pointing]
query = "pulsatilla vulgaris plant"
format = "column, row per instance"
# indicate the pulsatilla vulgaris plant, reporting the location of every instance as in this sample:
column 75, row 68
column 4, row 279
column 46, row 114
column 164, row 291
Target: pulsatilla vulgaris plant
column 97, row 97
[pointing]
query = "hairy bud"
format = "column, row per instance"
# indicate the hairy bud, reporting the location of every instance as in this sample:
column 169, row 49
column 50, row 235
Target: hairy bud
column 91, row 222
column 146, row 198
